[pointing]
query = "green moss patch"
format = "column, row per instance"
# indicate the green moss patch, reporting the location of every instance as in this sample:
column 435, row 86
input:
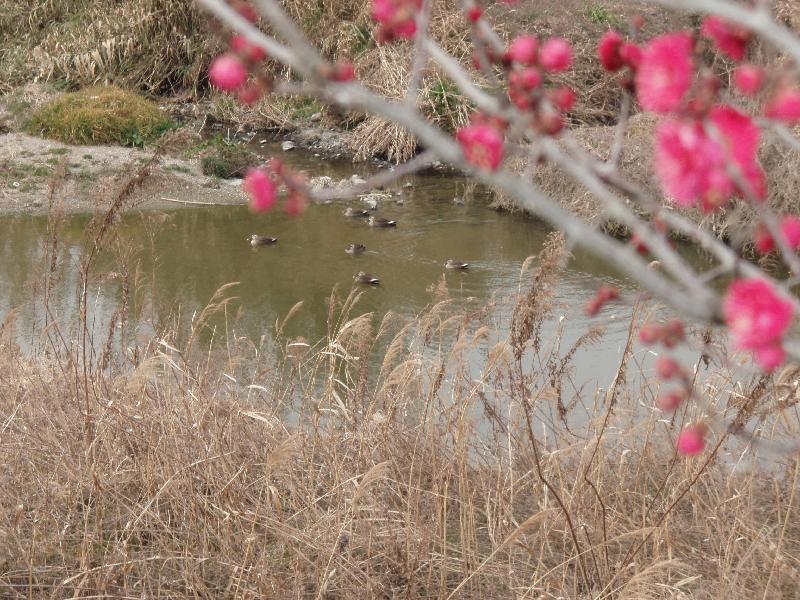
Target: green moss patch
column 100, row 115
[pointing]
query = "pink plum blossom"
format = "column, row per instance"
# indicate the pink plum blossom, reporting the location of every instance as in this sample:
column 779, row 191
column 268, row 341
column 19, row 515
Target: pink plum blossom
column 555, row 55
column 397, row 19
column 227, row 73
column 790, row 229
column 261, row 188
column 729, row 38
column 692, row 440
column 757, row 317
column 523, row 50
column 784, row 106
column 694, row 165
column 665, row 72
column 482, row 145
column 608, row 51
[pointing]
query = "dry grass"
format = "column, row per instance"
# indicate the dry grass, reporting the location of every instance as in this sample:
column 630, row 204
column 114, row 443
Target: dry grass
column 157, row 46
column 99, row 115
column 384, row 460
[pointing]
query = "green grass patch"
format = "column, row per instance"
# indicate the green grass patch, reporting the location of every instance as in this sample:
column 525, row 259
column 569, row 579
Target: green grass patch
column 19, row 172
column 179, row 168
column 100, row 115
column 58, row 150
column 602, row 16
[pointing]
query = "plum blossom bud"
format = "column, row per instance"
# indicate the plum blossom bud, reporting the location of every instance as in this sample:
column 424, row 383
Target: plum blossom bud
column 227, row 73
column 343, row 71
column 604, row 294
column 608, row 51
column 691, row 441
column 243, row 47
column 651, row 333
column 555, row 55
column 747, row 79
column 525, row 79
column 549, row 121
column 670, row 401
column 246, row 10
column 261, row 188
column 673, row 333
column 295, row 203
column 250, row 94
column 667, row 368
column 474, row 14
column 523, row 50
column 563, row 98
column 790, row 228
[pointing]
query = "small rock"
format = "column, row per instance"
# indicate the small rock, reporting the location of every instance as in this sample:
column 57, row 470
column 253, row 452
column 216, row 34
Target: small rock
column 321, row 183
column 370, row 201
column 317, row 116
column 356, row 180
column 408, row 184
column 458, row 201
column 287, row 145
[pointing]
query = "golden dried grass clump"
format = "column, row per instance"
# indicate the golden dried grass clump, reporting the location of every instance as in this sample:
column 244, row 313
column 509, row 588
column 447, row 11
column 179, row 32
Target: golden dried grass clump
column 157, row 46
column 99, row 115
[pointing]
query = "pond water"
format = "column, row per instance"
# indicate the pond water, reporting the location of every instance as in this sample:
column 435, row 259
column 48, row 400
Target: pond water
column 191, row 252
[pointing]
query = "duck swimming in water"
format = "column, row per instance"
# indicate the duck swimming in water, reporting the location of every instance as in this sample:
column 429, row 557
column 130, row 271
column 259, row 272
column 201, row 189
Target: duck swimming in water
column 380, row 222
column 355, row 249
column 366, row 278
column 261, row 240
column 455, row 264
column 358, row 213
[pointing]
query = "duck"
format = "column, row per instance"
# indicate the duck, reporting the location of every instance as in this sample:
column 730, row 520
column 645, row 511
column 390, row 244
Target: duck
column 359, row 213
column 261, row 240
column 366, row 278
column 355, row 248
column 455, row 264
column 381, row 222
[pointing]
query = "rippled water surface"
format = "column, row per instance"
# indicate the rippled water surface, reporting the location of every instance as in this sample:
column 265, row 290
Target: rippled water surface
column 181, row 257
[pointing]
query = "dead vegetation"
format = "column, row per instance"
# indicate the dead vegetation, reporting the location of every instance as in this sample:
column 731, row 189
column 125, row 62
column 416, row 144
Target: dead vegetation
column 424, row 457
